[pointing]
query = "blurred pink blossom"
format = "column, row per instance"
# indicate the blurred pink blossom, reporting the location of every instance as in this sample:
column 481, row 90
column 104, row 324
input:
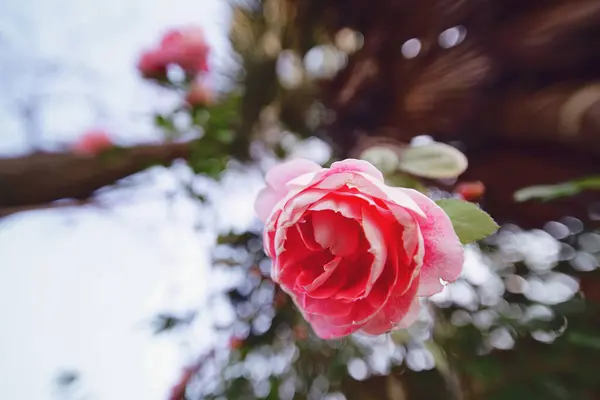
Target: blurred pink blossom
column 92, row 142
column 185, row 47
column 198, row 94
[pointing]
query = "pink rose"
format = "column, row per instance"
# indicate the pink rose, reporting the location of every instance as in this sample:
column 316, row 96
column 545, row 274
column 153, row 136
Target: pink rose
column 92, row 142
column 185, row 47
column 353, row 253
column 188, row 48
column 153, row 64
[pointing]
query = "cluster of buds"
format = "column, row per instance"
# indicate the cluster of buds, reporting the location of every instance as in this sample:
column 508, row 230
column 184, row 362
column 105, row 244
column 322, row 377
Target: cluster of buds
column 186, row 48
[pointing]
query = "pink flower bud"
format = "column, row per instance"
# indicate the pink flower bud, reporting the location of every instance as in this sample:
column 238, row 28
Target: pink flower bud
column 198, row 95
column 470, row 191
column 92, row 142
column 153, row 64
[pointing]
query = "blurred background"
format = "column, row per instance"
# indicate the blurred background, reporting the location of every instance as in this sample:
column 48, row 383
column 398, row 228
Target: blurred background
column 135, row 136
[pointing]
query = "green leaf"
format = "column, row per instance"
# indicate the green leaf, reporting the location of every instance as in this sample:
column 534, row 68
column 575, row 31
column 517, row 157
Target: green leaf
column 584, row 339
column 545, row 192
column 382, row 157
column 401, row 179
column 551, row 192
column 470, row 222
column 165, row 123
column 433, row 161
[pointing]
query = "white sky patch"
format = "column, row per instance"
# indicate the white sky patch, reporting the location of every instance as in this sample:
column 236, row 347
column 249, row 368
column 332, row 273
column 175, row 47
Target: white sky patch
column 78, row 287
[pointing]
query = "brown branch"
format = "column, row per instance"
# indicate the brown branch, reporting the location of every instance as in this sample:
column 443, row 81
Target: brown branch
column 6, row 211
column 42, row 178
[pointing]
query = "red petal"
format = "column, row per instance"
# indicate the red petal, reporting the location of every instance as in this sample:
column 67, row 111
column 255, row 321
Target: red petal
column 399, row 311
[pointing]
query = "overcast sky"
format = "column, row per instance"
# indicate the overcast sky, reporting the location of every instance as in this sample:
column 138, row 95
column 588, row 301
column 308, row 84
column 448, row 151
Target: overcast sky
column 78, row 287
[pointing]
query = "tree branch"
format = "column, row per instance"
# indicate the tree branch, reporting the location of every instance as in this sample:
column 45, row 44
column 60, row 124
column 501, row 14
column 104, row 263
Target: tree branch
column 40, row 178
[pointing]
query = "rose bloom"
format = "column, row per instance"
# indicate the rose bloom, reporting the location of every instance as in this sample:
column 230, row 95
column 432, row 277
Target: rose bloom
column 353, row 253
column 185, row 47
column 92, row 142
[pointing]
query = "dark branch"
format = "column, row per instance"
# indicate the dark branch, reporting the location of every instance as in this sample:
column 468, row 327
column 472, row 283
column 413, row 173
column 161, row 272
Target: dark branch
column 41, row 178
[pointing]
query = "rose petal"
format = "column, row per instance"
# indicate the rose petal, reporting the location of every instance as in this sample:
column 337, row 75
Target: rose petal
column 334, row 284
column 292, row 211
column 443, row 254
column 328, row 270
column 269, row 233
column 278, row 176
column 265, row 202
column 325, row 307
column 334, row 232
column 398, row 313
column 320, row 325
column 375, row 234
column 339, row 168
column 276, row 180
column 360, row 311
column 348, row 206
column 357, row 277
column 395, row 196
column 366, row 185
column 307, row 234
column 298, row 255
column 326, row 330
column 356, row 166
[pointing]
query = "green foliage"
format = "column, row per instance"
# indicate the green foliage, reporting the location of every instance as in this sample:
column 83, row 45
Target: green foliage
column 433, row 161
column 400, row 179
column 552, row 192
column 470, row 222
column 163, row 323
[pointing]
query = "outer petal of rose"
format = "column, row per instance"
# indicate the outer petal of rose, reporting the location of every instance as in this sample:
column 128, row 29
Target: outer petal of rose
column 396, row 196
column 411, row 316
column 295, row 204
column 281, row 174
column 269, row 233
column 399, row 313
column 325, row 330
column 265, row 202
column 343, row 169
column 352, row 164
column 444, row 254
column 364, row 183
column 320, row 325
column 276, row 180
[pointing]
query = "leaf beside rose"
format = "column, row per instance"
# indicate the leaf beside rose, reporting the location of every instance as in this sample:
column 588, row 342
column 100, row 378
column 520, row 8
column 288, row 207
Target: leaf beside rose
column 470, row 222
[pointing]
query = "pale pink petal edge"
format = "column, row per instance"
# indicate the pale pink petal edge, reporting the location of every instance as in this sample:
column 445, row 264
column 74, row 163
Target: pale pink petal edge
column 444, row 254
